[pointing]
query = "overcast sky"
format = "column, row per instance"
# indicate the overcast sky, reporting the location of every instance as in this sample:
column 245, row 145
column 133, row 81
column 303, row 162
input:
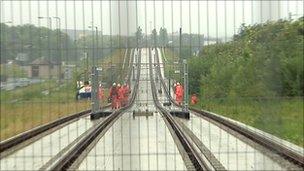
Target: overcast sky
column 213, row 18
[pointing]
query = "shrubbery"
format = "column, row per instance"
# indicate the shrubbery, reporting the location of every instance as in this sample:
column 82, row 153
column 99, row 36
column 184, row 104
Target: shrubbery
column 262, row 60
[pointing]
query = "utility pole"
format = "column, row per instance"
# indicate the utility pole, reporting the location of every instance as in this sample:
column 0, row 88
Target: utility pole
column 60, row 47
column 94, row 91
column 87, row 66
column 96, row 30
column 180, row 53
column 186, row 86
column 49, row 52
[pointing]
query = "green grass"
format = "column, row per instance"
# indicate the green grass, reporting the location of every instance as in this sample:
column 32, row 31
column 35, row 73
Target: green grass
column 28, row 107
column 170, row 66
column 282, row 117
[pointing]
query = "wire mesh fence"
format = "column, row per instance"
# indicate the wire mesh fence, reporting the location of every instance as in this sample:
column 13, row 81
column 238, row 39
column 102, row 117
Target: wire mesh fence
column 245, row 62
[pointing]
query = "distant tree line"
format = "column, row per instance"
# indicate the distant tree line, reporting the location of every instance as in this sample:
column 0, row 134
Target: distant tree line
column 33, row 41
column 57, row 45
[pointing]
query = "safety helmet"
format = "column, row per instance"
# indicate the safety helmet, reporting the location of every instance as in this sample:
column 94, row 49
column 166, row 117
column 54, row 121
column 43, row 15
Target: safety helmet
column 118, row 85
column 178, row 83
column 114, row 84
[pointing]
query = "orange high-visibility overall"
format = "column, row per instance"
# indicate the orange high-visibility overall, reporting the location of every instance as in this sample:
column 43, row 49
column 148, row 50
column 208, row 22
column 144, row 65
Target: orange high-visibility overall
column 194, row 99
column 179, row 94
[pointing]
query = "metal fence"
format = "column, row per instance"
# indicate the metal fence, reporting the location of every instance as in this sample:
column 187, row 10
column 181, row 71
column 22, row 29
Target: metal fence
column 245, row 61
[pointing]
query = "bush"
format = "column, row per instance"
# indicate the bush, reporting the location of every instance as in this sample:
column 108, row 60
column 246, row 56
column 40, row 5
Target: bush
column 262, row 60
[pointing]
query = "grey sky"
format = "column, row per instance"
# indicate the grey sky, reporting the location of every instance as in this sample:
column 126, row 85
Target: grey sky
column 214, row 18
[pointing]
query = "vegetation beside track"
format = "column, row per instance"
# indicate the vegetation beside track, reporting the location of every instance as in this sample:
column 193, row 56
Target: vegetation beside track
column 27, row 107
column 282, row 117
column 257, row 78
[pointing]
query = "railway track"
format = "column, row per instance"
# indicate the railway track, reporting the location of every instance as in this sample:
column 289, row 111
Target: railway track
column 191, row 154
column 284, row 156
column 139, row 140
column 68, row 160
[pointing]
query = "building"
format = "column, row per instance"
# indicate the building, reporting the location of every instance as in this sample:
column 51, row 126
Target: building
column 43, row 68
column 22, row 58
column 123, row 16
column 68, row 71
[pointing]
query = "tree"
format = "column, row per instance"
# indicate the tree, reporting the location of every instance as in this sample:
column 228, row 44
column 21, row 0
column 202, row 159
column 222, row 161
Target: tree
column 163, row 36
column 154, row 37
column 262, row 60
column 139, row 36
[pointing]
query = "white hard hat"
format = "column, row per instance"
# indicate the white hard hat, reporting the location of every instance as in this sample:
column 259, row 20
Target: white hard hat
column 118, row 85
column 114, row 84
column 177, row 83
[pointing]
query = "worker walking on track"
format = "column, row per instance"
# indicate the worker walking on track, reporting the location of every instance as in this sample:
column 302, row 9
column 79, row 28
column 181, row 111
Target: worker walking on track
column 120, row 95
column 125, row 94
column 194, row 99
column 179, row 93
column 114, row 96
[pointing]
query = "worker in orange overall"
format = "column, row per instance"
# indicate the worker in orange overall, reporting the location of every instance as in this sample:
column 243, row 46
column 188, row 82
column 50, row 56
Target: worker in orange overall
column 114, row 96
column 179, row 93
column 120, row 91
column 126, row 91
column 194, row 99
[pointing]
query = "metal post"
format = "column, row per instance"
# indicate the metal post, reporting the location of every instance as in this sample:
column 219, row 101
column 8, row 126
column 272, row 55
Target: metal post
column 186, row 89
column 96, row 41
column 60, row 47
column 133, row 73
column 169, row 84
column 96, row 29
column 94, row 91
column 180, row 53
column 50, row 26
column 87, row 66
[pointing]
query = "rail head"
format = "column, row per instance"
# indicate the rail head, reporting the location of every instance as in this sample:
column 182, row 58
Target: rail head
column 11, row 142
column 194, row 156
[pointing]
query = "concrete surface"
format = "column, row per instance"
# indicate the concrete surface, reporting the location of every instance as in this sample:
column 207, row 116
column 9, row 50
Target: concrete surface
column 140, row 143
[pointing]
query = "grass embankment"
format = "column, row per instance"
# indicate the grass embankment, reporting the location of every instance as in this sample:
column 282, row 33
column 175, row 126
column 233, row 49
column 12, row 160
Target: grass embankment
column 28, row 107
column 282, row 117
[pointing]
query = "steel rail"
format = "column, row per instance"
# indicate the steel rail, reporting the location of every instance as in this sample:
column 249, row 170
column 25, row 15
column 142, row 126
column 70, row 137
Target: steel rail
column 194, row 156
column 267, row 143
column 11, row 142
column 66, row 161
